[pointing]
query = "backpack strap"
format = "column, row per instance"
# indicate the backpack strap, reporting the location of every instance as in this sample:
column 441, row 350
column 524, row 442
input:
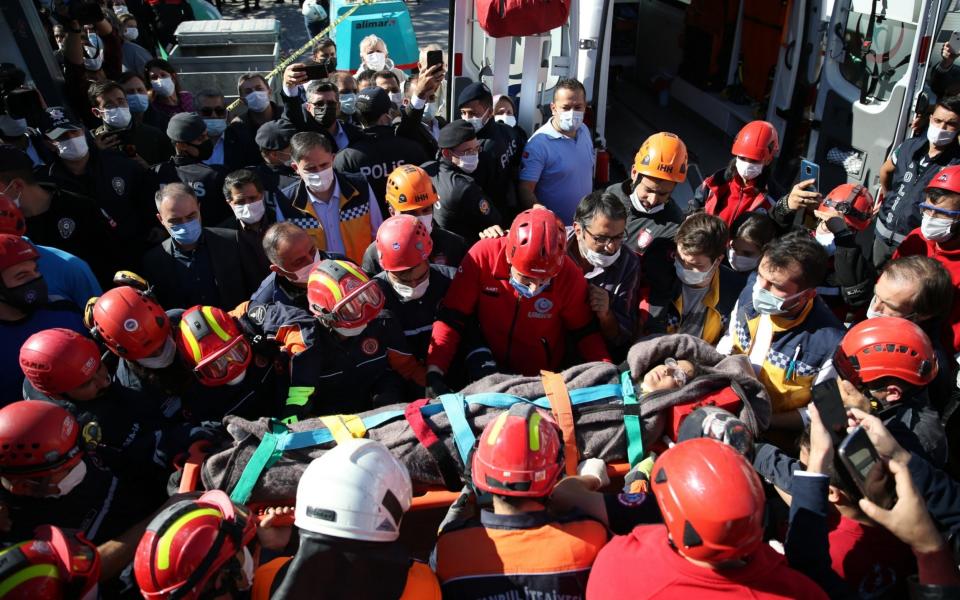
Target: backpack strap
column 556, row 390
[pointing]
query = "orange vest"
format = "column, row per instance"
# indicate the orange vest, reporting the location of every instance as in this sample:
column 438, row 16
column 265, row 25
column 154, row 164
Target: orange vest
column 421, row 582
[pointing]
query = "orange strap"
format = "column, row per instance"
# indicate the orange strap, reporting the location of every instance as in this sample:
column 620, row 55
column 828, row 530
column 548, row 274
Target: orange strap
column 562, row 410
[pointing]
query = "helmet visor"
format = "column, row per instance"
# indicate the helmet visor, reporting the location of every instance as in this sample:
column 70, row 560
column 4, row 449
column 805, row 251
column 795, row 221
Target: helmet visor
column 217, row 366
column 364, row 301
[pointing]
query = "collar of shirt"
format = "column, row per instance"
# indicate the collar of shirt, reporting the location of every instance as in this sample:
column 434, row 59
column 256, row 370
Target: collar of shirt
column 341, row 136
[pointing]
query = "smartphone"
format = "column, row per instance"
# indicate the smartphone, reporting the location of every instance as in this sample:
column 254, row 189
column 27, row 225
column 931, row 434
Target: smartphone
column 955, row 42
column 867, row 470
column 829, row 403
column 810, row 170
column 316, row 72
column 435, row 57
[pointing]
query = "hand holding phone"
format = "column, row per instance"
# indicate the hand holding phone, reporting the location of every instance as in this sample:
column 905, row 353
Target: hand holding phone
column 826, row 397
column 315, row 72
column 867, row 470
column 434, row 57
column 810, row 170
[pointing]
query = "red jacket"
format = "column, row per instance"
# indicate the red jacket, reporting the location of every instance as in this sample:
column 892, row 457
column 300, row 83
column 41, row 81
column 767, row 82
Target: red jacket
column 729, row 198
column 916, row 245
column 525, row 335
column 643, row 565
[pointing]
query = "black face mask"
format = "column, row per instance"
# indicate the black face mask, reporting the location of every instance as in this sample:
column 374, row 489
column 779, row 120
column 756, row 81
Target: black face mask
column 26, row 296
column 204, row 149
column 330, row 63
column 326, row 114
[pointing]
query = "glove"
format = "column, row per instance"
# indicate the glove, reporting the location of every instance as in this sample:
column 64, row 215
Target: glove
column 480, row 364
column 596, row 468
column 436, row 386
column 638, row 479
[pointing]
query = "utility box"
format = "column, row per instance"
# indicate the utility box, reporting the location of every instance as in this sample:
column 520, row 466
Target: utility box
column 215, row 53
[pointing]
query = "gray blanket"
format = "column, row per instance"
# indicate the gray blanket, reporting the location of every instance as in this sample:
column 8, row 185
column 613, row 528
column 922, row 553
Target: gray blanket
column 599, row 425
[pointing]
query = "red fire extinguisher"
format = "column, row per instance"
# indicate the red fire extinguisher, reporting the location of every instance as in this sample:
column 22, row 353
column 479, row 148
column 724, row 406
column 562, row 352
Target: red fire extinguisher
column 601, row 175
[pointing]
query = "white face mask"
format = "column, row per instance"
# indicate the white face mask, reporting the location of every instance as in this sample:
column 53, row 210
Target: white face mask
column 569, row 121
column 748, row 170
column 250, row 212
column 121, row 10
column 350, row 332
column 742, row 264
column 692, row 276
column 508, row 120
column 827, row 241
column 319, row 182
column 247, row 570
column 238, row 379
column 348, row 103
column 303, row 274
column 72, row 149
column 257, row 101
column 871, row 314
column 95, row 63
column 477, row 122
column 635, row 200
column 72, row 480
column 376, row 61
column 163, row 87
column 16, row 200
column 408, row 293
column 163, row 360
column 427, row 221
column 936, row 229
column 131, row 34
column 940, row 137
column 468, row 163
column 429, row 112
column 118, row 118
column 599, row 259
column 396, row 97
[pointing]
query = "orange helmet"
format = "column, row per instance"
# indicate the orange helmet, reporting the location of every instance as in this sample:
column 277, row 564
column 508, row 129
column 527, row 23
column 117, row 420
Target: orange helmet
column 403, row 243
column 58, row 360
column 211, row 344
column 130, row 323
column 410, row 188
column 53, row 565
column 662, row 156
column 758, row 140
column 852, row 201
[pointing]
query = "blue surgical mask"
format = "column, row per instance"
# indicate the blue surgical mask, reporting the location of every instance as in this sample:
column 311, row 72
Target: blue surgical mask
column 524, row 291
column 348, row 103
column 138, row 103
column 766, row 302
column 187, row 233
column 215, row 127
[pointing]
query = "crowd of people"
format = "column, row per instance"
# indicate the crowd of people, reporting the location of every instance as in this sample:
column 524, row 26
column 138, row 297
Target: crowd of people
column 336, row 246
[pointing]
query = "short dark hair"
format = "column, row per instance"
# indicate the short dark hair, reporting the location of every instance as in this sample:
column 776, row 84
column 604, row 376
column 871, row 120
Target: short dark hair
column 240, row 178
column 100, row 88
column 127, row 17
column 799, row 248
column 305, row 141
column 385, row 74
column 701, row 233
column 164, row 65
column 935, row 296
column 568, row 83
column 275, row 234
column 600, row 202
column 318, row 86
column 755, row 227
column 337, row 77
column 951, row 103
column 364, row 75
column 248, row 76
column 325, row 42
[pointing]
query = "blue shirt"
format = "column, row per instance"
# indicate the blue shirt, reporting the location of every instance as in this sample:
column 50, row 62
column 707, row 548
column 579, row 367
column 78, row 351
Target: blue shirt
column 67, row 276
column 562, row 168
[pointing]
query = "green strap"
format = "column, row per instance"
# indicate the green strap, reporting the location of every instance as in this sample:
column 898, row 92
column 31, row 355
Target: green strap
column 631, row 422
column 265, row 455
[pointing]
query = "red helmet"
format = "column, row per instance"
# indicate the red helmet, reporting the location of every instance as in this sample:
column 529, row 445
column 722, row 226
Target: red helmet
column 403, row 243
column 758, row 140
column 947, row 179
column 130, row 323
column 886, row 347
column 11, row 219
column 52, row 566
column 536, row 243
column 519, row 454
column 212, row 345
column 711, row 499
column 37, row 438
column 15, row 250
column 188, row 542
column 852, row 201
column 341, row 295
column 58, row 360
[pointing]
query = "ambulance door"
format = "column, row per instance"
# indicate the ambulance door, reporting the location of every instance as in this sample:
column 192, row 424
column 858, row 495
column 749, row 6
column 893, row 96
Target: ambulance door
column 875, row 53
column 789, row 64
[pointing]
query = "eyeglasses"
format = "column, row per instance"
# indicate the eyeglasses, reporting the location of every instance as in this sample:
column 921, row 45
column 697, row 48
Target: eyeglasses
column 208, row 111
column 605, row 240
column 927, row 209
column 678, row 374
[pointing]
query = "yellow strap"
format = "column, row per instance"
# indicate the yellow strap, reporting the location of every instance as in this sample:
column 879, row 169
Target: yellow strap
column 562, row 410
column 344, row 427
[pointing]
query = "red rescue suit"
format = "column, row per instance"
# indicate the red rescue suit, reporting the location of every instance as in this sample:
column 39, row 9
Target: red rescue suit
column 724, row 194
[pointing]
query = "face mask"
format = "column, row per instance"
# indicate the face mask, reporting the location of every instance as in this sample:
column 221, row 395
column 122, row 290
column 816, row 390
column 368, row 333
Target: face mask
column 131, row 33
column 72, row 480
column 250, row 212
column 118, row 118
column 121, row 10
column 748, row 170
column 469, row 162
column 204, row 149
column 349, row 332
column 396, row 97
column 871, row 314
column 238, row 379
column 26, row 296
column 376, row 61
column 163, row 87
column 162, row 360
column 691, row 276
column 524, row 291
column 408, row 293
column 827, row 241
column 427, row 221
column 303, row 274
column 72, row 149
column 12, row 128
column 247, row 569
column 742, row 264
column 326, row 114
column 95, row 63
column 186, row 233
column 940, row 137
column 635, row 201
column 599, row 259
column 257, row 101
column 769, row 304
column 936, row 229
column 215, row 127
column 429, row 112
column 569, row 120
column 508, row 120
column 94, row 40
column 15, row 200
column 348, row 103
column 138, row 103
column 321, row 181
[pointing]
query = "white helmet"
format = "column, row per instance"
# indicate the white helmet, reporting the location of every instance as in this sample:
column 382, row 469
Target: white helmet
column 357, row 491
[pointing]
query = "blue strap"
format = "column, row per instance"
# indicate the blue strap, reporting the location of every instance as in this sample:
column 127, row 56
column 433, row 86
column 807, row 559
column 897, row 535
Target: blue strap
column 455, row 406
column 315, row 437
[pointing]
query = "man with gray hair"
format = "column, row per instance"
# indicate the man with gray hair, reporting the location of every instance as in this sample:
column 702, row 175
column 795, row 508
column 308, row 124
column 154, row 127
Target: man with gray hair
column 196, row 264
column 292, row 255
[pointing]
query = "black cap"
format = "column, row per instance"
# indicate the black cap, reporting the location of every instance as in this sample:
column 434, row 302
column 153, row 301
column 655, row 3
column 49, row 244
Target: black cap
column 58, row 121
column 185, row 127
column 14, row 159
column 456, row 133
column 475, row 91
column 275, row 135
column 372, row 102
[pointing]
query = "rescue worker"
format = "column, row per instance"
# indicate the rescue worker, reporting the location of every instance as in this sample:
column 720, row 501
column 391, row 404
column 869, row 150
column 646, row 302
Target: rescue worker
column 410, row 191
column 465, row 209
column 192, row 146
column 275, row 173
column 350, row 356
column 518, row 549
column 381, row 151
column 358, row 555
column 293, row 256
column 527, row 296
column 708, row 548
column 248, row 200
column 144, row 143
column 337, row 208
column 742, row 185
column 51, row 565
column 197, row 548
column 907, row 173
